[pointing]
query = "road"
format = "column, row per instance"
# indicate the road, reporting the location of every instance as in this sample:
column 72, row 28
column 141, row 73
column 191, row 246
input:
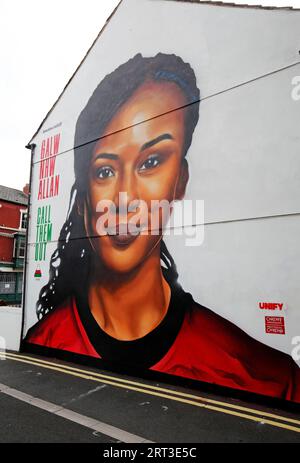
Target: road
column 49, row 400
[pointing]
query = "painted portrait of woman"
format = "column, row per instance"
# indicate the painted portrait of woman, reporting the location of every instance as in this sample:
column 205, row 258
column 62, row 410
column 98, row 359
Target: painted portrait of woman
column 116, row 296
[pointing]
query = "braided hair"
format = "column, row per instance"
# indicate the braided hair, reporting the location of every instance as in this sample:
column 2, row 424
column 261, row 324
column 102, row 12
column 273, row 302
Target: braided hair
column 71, row 261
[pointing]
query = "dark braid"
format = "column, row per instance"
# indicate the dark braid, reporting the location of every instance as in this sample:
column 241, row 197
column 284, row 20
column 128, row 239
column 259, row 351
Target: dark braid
column 169, row 263
column 70, row 263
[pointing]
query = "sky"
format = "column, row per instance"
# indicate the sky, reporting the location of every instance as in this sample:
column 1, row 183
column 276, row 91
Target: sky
column 42, row 44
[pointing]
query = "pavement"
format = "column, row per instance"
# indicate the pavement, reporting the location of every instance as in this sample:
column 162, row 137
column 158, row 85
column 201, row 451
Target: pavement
column 50, row 400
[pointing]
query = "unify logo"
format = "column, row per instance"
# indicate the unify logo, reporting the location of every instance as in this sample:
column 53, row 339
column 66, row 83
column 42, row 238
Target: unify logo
column 270, row 305
column 137, row 217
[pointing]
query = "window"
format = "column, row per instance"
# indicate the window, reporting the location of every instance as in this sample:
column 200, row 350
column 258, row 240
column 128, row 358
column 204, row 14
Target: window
column 7, row 283
column 20, row 283
column 21, row 249
column 23, row 220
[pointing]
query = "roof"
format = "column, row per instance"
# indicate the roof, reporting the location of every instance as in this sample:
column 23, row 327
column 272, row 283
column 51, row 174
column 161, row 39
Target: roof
column 202, row 2
column 13, row 196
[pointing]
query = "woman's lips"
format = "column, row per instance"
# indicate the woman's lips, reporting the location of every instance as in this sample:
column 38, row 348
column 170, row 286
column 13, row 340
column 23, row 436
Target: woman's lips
column 124, row 239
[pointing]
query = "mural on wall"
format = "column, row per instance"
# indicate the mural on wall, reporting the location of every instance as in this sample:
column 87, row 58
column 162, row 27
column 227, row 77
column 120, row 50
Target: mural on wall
column 122, row 250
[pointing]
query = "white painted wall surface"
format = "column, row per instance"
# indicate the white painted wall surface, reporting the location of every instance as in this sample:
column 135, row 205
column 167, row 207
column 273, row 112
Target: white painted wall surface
column 10, row 327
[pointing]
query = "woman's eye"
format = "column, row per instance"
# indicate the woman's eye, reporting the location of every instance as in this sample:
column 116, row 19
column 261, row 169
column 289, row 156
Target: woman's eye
column 150, row 163
column 105, row 172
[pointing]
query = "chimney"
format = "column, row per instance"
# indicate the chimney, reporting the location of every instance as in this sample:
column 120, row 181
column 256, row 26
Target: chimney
column 26, row 189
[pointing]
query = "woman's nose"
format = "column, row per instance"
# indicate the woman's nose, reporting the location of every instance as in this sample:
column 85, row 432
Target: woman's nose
column 127, row 190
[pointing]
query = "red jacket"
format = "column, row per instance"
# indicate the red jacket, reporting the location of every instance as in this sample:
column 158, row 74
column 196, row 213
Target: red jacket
column 207, row 348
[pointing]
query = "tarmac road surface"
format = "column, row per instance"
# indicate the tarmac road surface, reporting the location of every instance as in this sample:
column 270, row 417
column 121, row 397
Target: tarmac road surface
column 49, row 400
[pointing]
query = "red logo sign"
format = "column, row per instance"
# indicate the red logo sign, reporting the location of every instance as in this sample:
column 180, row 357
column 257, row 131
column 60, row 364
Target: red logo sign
column 271, row 305
column 274, row 325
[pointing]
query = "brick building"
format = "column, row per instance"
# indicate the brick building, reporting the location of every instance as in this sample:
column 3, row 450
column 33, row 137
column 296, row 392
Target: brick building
column 13, row 224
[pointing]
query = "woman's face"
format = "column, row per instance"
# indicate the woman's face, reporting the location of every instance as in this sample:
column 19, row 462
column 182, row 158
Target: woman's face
column 144, row 161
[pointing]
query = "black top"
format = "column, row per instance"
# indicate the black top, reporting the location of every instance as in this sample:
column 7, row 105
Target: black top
column 142, row 352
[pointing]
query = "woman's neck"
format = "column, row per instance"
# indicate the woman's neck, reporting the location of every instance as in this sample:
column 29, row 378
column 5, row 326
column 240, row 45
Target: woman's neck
column 129, row 307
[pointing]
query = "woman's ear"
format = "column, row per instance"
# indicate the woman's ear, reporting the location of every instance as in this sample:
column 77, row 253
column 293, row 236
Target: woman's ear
column 183, row 179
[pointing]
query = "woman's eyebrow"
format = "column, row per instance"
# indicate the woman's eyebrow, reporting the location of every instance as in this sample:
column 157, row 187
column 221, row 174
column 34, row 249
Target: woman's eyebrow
column 164, row 136
column 107, row 156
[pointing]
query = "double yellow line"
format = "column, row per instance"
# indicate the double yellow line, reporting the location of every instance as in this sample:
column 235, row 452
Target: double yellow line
column 252, row 414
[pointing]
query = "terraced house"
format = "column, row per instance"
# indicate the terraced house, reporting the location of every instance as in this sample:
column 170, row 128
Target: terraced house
column 13, row 224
